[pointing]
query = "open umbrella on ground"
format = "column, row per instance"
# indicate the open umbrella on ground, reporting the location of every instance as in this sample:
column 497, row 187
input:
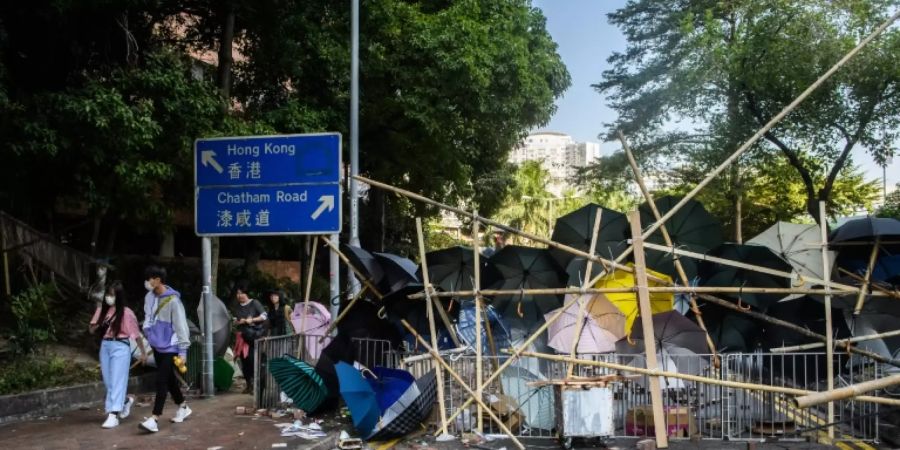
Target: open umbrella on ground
column 799, row 245
column 691, row 228
column 409, row 411
column 732, row 332
column 299, row 381
column 520, row 267
column 715, row 274
column 593, row 339
column 627, row 302
column 360, row 398
column 398, row 306
column 389, row 384
column 364, row 261
column 576, row 228
column 313, row 325
column 465, row 327
column 671, row 330
column 398, row 271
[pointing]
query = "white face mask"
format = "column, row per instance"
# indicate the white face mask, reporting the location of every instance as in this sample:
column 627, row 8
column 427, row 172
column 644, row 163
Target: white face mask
column 148, row 286
column 110, row 300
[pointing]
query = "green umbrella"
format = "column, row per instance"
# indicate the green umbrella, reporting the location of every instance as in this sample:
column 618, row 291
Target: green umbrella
column 576, row 228
column 691, row 228
column 299, row 381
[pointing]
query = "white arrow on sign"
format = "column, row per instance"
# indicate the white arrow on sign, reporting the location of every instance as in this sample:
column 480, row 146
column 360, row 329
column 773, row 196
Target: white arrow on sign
column 207, row 157
column 327, row 201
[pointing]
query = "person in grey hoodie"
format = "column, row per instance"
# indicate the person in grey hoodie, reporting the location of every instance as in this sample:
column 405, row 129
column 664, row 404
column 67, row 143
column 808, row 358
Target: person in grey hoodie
column 166, row 328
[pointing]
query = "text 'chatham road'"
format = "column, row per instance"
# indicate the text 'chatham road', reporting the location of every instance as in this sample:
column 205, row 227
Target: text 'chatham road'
column 264, row 197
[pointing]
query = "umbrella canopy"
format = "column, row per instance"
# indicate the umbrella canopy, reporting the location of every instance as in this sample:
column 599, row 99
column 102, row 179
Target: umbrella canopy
column 312, row 320
column 673, row 359
column 715, row 274
column 299, row 381
column 866, row 229
column 807, row 313
column 886, row 269
column 398, row 271
column 389, row 385
column 399, row 307
column 465, row 327
column 575, row 229
column 364, row 261
column 360, row 398
column 878, row 315
column 524, row 268
column 409, row 411
column 732, row 332
column 453, row 269
column 221, row 324
column 799, row 245
column 593, row 339
column 671, row 330
column 608, row 316
column 691, row 228
column 627, row 302
column 535, row 403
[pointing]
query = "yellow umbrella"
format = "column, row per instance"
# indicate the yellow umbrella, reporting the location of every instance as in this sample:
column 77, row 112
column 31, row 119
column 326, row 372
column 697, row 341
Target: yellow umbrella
column 627, row 302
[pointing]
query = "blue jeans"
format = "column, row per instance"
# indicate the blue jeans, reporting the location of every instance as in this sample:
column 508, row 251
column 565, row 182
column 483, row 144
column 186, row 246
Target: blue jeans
column 115, row 358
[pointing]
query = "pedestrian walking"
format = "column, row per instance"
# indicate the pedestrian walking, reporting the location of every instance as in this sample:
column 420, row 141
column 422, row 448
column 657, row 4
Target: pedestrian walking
column 279, row 315
column 116, row 324
column 166, row 328
column 249, row 317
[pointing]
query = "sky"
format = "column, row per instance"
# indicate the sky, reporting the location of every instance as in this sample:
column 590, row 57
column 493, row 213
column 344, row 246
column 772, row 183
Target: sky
column 585, row 40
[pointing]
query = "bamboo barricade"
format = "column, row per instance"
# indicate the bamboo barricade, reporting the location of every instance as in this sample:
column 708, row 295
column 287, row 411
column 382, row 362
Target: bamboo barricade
column 432, row 330
column 582, row 305
column 701, row 379
column 472, row 395
column 640, row 280
column 344, row 312
column 829, row 332
column 852, row 391
column 306, row 293
column 861, row 298
column 876, row 286
column 352, row 267
column 476, row 286
column 761, row 132
column 853, row 340
column 639, row 178
column 653, row 289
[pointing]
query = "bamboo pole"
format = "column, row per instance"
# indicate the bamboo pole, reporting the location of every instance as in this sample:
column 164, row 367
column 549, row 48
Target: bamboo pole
column 352, row 267
column 476, row 286
column 762, row 131
column 861, row 298
column 640, row 280
column 829, row 332
column 639, row 178
column 343, row 314
column 854, row 390
column 431, row 328
column 472, row 396
column 582, row 305
column 853, row 340
column 631, row 289
column 309, row 277
column 877, row 287
column 701, row 379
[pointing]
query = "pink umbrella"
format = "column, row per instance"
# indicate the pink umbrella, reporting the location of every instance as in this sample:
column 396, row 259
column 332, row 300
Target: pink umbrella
column 594, row 339
column 312, row 321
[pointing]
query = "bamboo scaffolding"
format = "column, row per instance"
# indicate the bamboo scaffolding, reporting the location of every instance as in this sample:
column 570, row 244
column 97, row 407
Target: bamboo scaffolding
column 640, row 280
column 861, row 298
column 344, row 312
column 852, row 391
column 439, row 375
column 639, row 178
column 876, row 286
column 829, row 332
column 632, row 289
column 701, row 379
column 853, row 340
column 582, row 305
column 306, row 292
column 352, row 267
column 472, row 395
column 476, row 286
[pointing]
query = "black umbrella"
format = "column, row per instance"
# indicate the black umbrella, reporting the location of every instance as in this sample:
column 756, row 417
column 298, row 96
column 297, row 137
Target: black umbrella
column 691, row 228
column 866, row 229
column 520, row 267
column 804, row 312
column 731, row 331
column 715, row 274
column 363, row 321
column 878, row 315
column 453, row 269
column 409, row 411
column 364, row 261
column 575, row 229
column 671, row 330
column 398, row 271
column 398, row 306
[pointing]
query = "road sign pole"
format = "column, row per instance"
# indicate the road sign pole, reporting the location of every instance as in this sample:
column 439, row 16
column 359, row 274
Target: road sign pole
column 354, row 135
column 334, row 276
column 209, row 389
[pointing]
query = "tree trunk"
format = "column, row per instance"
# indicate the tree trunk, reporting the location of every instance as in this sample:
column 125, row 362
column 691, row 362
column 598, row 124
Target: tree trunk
column 738, row 221
column 167, row 246
column 224, row 80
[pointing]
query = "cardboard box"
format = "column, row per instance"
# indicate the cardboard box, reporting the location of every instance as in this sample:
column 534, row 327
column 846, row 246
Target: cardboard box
column 680, row 421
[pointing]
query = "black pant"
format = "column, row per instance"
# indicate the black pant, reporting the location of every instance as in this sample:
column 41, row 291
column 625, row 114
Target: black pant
column 247, row 365
column 166, row 381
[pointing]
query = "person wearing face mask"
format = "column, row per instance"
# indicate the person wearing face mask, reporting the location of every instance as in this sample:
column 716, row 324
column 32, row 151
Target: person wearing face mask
column 117, row 324
column 166, row 328
column 249, row 317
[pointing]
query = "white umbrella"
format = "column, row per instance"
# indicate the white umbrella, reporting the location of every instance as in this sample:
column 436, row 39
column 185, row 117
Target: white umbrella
column 221, row 324
column 535, row 403
column 800, row 245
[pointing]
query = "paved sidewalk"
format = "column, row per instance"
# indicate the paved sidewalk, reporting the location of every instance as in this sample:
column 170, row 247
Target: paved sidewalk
column 212, row 424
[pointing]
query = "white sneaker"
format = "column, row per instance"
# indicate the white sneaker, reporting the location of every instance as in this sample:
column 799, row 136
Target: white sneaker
column 183, row 412
column 150, row 425
column 126, row 409
column 111, row 421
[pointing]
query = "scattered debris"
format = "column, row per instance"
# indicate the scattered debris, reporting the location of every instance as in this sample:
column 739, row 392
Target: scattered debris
column 445, row 437
column 279, row 445
column 311, row 430
column 345, row 442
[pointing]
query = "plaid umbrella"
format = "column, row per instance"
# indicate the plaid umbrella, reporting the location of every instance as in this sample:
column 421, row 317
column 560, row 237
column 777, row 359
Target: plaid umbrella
column 299, row 381
column 409, row 411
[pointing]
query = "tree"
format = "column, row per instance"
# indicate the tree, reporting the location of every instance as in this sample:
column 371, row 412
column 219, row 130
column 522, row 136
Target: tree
column 891, row 207
column 701, row 75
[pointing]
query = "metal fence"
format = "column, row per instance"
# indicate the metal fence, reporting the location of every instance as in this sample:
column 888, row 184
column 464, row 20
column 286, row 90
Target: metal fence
column 371, row 352
column 691, row 408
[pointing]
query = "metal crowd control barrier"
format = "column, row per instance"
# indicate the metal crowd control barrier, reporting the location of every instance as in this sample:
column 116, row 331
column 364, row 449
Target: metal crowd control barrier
column 691, row 408
column 371, row 352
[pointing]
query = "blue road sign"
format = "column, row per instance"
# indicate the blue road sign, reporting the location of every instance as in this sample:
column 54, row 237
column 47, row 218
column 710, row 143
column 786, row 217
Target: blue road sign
column 262, row 210
column 268, row 160
column 268, row 185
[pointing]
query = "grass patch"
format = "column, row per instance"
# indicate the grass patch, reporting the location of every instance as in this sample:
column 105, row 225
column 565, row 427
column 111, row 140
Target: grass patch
column 30, row 373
